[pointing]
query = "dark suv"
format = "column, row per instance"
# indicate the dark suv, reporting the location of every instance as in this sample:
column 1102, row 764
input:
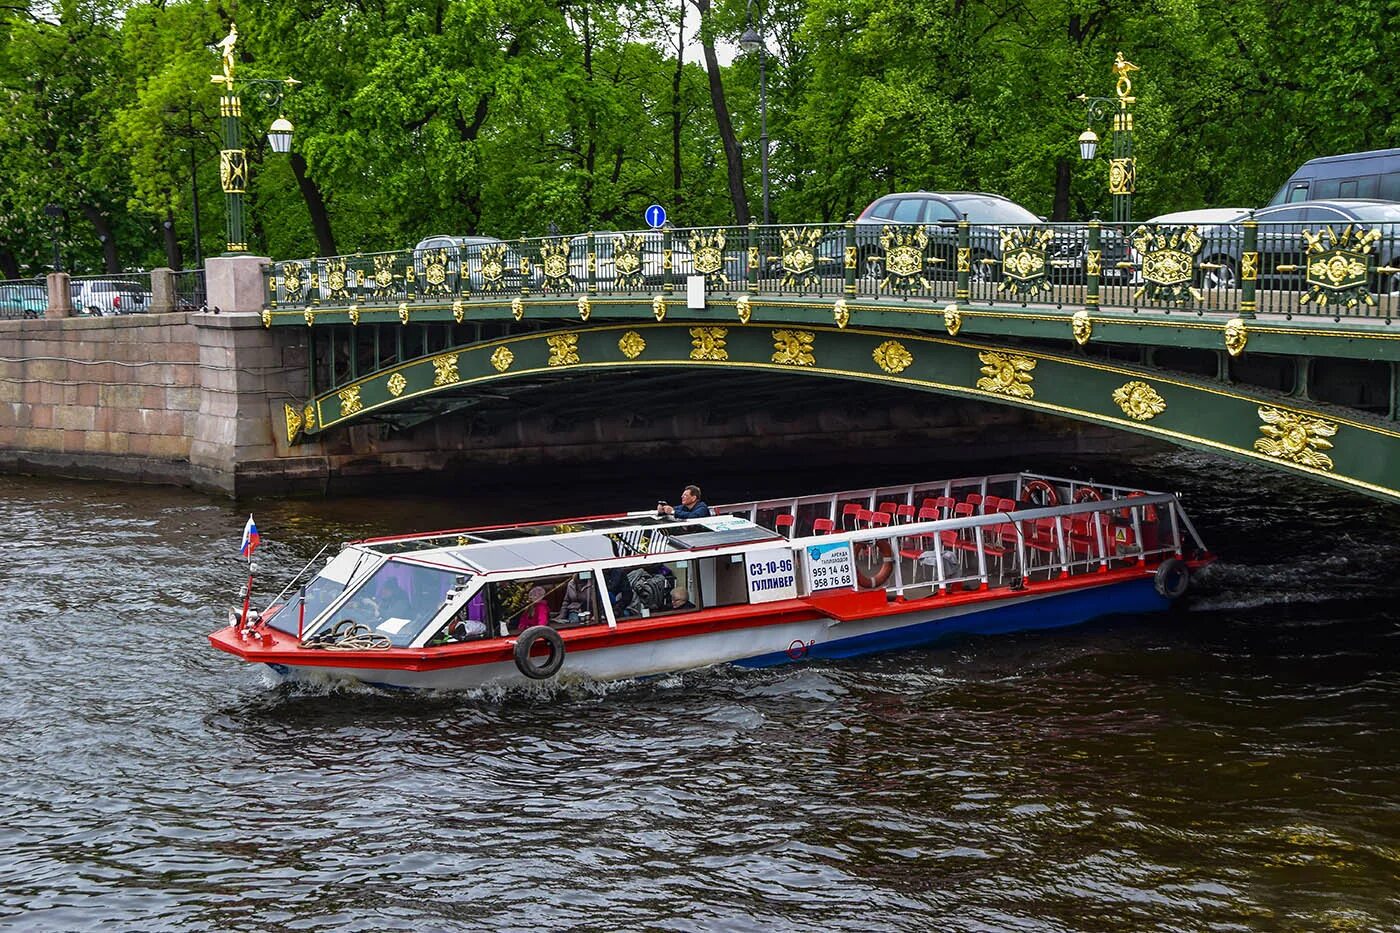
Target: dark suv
column 986, row 212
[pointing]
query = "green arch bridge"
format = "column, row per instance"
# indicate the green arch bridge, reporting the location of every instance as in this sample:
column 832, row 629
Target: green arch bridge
column 1273, row 346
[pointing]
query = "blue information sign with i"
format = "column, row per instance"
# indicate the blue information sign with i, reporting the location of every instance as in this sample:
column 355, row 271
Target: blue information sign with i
column 655, row 216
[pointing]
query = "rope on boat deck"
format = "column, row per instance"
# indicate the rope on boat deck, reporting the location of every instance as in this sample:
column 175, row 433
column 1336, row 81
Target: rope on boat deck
column 354, row 637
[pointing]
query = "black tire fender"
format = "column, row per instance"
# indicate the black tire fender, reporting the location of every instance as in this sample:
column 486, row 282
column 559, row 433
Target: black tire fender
column 548, row 666
column 1172, row 578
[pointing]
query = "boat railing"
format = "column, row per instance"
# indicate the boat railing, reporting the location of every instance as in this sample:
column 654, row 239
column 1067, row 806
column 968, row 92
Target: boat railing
column 1014, row 548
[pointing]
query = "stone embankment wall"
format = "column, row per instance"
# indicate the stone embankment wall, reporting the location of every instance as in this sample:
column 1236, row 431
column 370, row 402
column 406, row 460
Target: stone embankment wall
column 101, row 397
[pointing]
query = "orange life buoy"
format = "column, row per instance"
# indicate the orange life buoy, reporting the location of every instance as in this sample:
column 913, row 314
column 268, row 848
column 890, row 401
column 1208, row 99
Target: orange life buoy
column 1087, row 494
column 876, row 576
column 1028, row 493
column 1149, row 512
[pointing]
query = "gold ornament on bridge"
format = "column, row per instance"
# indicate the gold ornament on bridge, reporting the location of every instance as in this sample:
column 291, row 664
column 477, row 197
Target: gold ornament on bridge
column 1082, row 326
column 293, row 285
column 1168, row 263
column 354, row 313
column 1122, row 176
column 1093, row 262
column 493, row 268
column 563, row 349
column 658, row 307
column 457, row 310
column 554, row 263
column 1296, row 438
column 904, row 259
column 708, row 343
column 1023, row 262
column 435, row 271
column 396, row 384
column 964, row 259
column 1337, row 266
column 233, row 170
column 744, row 307
column 293, row 422
column 403, row 312
column 349, row 401
column 707, row 254
column 892, row 357
column 628, row 251
column 1122, row 68
column 585, row 308
column 841, row 312
column 1236, row 336
column 1139, row 401
column 631, row 344
column 517, row 308
column 338, row 280
column 1006, row 374
column 309, row 316
column 1249, row 266
column 308, row 418
column 952, row 320
column 445, row 370
column 799, row 256
column 267, row 318
column 502, row 359
column 384, row 277
column 793, row 347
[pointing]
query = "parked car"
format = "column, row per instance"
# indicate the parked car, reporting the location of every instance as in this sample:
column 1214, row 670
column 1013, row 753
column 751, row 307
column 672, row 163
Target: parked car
column 23, row 301
column 1214, row 224
column 109, row 297
column 1281, row 239
column 940, row 212
column 466, row 251
column 1374, row 174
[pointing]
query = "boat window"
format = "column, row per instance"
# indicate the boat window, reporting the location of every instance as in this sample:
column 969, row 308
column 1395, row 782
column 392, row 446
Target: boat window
column 472, row 622
column 722, row 581
column 399, row 600
column 561, row 601
column 654, row 589
column 339, row 574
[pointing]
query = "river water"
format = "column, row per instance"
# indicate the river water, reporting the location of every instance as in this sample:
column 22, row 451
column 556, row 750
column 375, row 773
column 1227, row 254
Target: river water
column 1232, row 765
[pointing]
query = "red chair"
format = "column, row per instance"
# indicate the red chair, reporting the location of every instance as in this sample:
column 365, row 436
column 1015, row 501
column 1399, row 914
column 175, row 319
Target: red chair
column 905, row 513
column 880, row 519
column 864, row 517
column 823, row 526
column 945, row 505
column 850, row 510
column 1041, row 540
column 974, row 499
column 888, row 508
column 784, row 521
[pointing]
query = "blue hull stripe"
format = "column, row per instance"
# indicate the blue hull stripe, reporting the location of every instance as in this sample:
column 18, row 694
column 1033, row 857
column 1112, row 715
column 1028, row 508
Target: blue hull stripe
column 1072, row 608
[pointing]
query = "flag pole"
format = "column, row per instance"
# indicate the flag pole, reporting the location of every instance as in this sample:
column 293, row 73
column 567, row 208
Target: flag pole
column 247, row 594
column 301, row 614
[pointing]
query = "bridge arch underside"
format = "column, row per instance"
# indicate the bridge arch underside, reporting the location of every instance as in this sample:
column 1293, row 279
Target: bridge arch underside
column 1337, row 446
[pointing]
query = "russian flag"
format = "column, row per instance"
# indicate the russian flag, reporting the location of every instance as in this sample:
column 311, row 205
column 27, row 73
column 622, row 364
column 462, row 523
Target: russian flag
column 251, row 539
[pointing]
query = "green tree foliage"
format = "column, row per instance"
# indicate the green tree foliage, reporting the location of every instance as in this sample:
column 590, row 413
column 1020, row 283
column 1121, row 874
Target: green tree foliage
column 509, row 116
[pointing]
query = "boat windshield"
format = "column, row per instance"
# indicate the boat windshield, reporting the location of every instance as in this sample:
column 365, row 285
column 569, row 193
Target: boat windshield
column 398, row 600
column 340, row 572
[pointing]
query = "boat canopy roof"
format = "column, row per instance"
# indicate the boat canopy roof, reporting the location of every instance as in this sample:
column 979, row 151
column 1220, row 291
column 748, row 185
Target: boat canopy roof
column 522, row 547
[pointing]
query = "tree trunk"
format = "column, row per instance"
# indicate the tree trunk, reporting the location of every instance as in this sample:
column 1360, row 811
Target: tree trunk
column 173, row 257
column 104, row 235
column 316, row 206
column 733, row 155
column 9, row 266
column 676, row 114
column 1059, row 212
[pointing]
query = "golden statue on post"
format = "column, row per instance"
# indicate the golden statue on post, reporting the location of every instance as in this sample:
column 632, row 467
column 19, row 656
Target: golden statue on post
column 1121, row 67
column 225, row 46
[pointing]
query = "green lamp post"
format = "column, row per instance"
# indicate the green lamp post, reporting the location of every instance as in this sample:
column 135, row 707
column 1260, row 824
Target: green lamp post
column 233, row 161
column 1122, row 167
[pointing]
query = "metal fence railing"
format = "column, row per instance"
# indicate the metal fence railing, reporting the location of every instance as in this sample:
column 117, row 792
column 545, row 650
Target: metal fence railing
column 190, row 294
column 1227, row 269
column 107, row 295
column 23, row 298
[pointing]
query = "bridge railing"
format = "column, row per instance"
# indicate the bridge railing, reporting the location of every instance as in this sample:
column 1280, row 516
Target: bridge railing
column 1230, row 269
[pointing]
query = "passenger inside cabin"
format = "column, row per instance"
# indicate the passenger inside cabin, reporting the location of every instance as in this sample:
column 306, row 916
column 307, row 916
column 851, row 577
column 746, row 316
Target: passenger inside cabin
column 691, row 505
column 536, row 611
column 578, row 604
column 651, row 590
column 680, row 599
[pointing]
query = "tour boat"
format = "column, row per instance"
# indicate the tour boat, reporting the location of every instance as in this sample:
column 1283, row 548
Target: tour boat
column 755, row 584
